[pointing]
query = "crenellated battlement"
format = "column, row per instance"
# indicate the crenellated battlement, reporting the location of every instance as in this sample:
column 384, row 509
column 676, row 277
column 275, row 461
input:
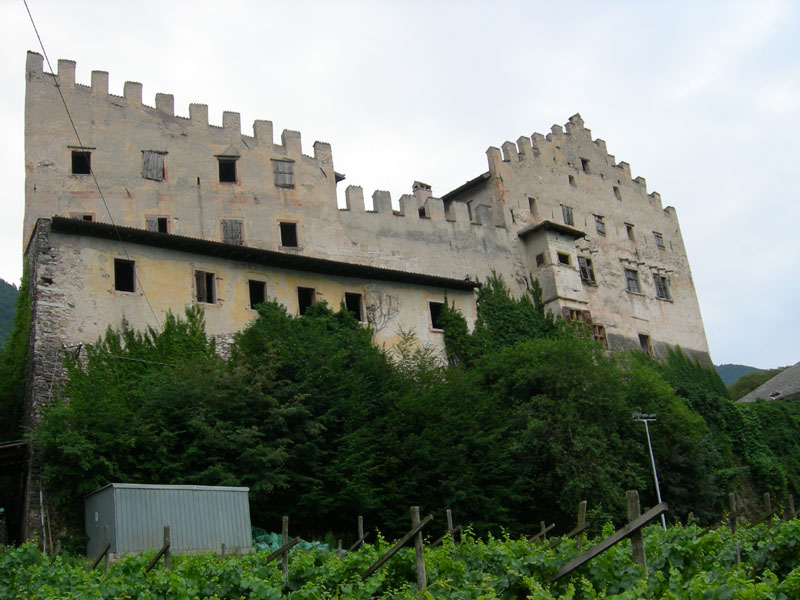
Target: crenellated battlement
column 164, row 106
column 570, row 147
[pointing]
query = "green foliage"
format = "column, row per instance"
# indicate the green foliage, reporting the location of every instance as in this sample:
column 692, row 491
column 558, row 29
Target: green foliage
column 8, row 302
column 750, row 381
column 681, row 564
column 730, row 373
column 13, row 367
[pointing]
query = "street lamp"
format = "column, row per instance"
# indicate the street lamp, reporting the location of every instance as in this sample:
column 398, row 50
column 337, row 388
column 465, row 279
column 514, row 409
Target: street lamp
column 637, row 416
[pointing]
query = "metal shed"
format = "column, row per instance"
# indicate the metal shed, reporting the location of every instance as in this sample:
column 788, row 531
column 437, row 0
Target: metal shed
column 201, row 518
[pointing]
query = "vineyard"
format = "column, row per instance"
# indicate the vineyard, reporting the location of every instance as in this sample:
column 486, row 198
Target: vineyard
column 683, row 562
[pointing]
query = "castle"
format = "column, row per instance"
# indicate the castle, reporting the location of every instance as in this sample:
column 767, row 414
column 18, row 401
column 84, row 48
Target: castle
column 148, row 211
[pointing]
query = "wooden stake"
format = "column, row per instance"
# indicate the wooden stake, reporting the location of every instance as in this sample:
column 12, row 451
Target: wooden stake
column 106, row 545
column 450, row 522
column 582, row 524
column 360, row 527
column 422, row 579
column 222, row 550
column 637, row 541
column 167, row 553
column 284, row 541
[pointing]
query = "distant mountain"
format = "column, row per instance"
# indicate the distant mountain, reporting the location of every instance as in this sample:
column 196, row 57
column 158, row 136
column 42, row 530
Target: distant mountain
column 730, row 373
column 8, row 300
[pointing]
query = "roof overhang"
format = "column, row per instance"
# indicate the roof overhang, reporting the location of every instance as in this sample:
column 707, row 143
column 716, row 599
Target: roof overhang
column 272, row 258
column 551, row 226
column 451, row 195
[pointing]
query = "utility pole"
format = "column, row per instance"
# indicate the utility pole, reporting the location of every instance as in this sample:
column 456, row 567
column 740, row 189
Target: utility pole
column 637, row 416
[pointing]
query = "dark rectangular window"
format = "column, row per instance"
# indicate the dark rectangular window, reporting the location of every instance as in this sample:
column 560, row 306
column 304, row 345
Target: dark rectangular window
column 305, row 298
column 645, row 345
column 353, row 302
column 662, row 286
column 532, row 206
column 227, row 169
column 436, row 314
column 232, row 231
column 585, row 165
column 659, row 239
column 159, row 224
column 284, row 173
column 88, row 217
column 289, row 235
column 540, row 259
column 123, row 275
column 205, row 284
column 81, row 162
column 153, row 165
column 629, row 231
column 617, row 193
column 566, row 212
column 632, row 281
column 563, row 258
column 599, row 225
column 587, row 270
column 258, row 292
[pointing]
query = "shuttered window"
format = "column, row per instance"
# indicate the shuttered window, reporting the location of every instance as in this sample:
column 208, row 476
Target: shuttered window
column 153, row 165
column 662, row 286
column 566, row 212
column 284, row 173
column 587, row 270
column 204, row 287
column 599, row 225
column 632, row 281
column 159, row 224
column 233, row 231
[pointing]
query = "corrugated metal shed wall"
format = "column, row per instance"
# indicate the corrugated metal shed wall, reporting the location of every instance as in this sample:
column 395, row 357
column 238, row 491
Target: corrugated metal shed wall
column 201, row 518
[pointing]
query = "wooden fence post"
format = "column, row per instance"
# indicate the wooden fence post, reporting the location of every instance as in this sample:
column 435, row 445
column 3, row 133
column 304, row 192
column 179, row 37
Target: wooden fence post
column 637, row 540
column 106, row 545
column 790, row 513
column 222, row 550
column 167, row 553
column 396, row 548
column 732, row 518
column 422, row 579
column 361, row 535
column 450, row 522
column 582, row 523
column 284, row 541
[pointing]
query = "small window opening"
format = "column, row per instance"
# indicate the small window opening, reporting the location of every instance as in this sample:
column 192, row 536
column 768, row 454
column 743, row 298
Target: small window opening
column 284, row 173
column 123, row 275
column 227, row 169
column 563, row 258
column 258, row 292
column 572, row 181
column 532, row 207
column 662, row 286
column 153, row 165
column 305, row 298
column 585, row 165
column 599, row 335
column 629, row 231
column 205, row 284
column 587, row 270
column 600, row 225
column 645, row 345
column 422, row 213
column 566, row 212
column 540, row 259
column 88, row 217
column 353, row 302
column 632, row 281
column 159, row 224
column 617, row 193
column 289, row 235
column 232, row 231
column 81, row 162
column 659, row 240
column 436, row 315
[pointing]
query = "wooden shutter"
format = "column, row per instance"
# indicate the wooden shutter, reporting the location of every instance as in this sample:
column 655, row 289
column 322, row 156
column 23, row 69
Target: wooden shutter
column 232, row 232
column 151, row 223
column 153, row 165
column 200, row 283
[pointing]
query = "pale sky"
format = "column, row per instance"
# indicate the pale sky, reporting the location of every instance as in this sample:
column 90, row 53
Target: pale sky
column 701, row 98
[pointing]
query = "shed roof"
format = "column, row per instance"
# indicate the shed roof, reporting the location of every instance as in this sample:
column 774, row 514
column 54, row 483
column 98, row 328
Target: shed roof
column 551, row 226
column 783, row 386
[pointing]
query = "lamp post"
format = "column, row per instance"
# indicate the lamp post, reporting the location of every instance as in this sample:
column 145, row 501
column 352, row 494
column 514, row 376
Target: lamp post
column 637, row 416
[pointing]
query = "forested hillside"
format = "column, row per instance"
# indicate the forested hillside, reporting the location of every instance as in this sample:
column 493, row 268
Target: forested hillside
column 529, row 417
column 8, row 299
column 730, row 373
